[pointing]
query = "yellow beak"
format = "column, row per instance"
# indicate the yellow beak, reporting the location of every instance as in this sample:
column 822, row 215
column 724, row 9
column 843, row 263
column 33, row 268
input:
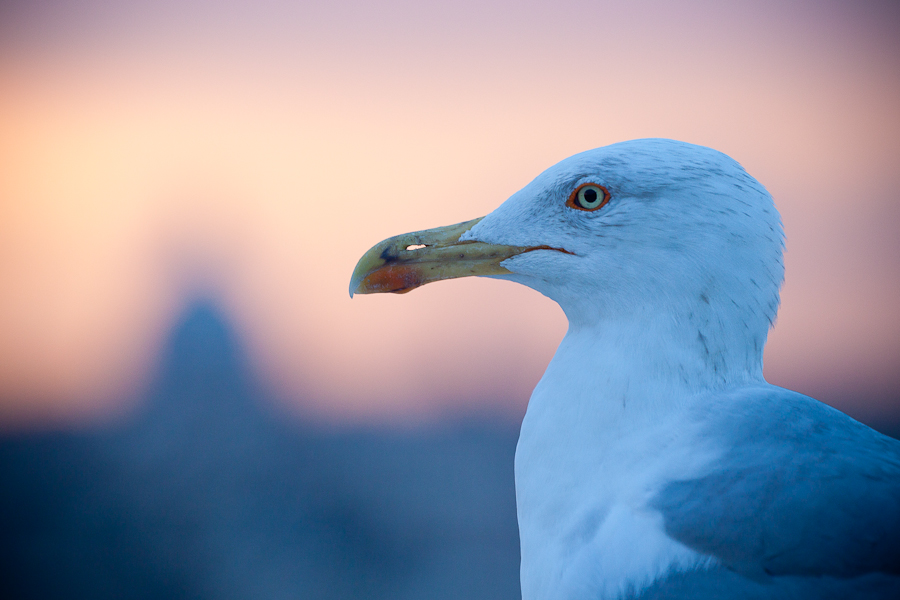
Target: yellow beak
column 404, row 262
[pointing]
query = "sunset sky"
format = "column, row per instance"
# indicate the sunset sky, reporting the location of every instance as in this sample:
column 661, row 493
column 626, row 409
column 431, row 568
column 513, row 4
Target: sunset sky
column 153, row 153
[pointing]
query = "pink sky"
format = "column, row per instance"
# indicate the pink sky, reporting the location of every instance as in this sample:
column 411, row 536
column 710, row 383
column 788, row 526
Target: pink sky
column 154, row 152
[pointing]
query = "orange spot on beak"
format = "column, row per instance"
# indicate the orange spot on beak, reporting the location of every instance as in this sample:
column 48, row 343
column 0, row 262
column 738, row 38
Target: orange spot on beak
column 397, row 279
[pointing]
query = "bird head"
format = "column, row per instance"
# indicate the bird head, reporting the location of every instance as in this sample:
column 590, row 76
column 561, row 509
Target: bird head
column 643, row 231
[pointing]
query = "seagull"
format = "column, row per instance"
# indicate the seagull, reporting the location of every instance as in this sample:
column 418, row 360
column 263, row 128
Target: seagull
column 654, row 460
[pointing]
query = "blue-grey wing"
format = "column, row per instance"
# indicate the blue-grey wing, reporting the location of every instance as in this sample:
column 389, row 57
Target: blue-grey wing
column 723, row 584
column 801, row 490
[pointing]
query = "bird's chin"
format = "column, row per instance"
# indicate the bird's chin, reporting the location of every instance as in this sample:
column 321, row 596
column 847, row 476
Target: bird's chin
column 544, row 265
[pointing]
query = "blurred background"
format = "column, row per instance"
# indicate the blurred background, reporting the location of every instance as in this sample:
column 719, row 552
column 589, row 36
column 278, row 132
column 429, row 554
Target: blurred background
column 191, row 405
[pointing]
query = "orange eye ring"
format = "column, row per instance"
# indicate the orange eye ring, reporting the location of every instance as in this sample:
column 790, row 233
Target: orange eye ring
column 588, row 197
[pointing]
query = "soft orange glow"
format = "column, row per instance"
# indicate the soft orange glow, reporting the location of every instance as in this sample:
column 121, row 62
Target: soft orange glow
column 257, row 165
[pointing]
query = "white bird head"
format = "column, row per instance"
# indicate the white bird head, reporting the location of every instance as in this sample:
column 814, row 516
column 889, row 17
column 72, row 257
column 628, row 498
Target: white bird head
column 670, row 235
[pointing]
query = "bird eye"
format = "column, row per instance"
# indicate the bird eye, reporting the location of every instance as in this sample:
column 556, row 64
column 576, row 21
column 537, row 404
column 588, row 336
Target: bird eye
column 588, row 196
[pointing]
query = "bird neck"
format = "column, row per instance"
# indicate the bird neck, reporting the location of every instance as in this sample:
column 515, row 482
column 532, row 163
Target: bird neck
column 607, row 417
column 643, row 360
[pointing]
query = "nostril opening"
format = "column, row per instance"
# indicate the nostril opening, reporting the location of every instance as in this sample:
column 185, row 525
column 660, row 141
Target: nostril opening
column 415, row 246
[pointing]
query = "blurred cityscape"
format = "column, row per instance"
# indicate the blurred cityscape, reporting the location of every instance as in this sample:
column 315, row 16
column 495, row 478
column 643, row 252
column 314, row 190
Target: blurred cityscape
column 209, row 493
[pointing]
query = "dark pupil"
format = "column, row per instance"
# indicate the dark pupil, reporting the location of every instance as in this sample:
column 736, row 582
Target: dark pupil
column 590, row 196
